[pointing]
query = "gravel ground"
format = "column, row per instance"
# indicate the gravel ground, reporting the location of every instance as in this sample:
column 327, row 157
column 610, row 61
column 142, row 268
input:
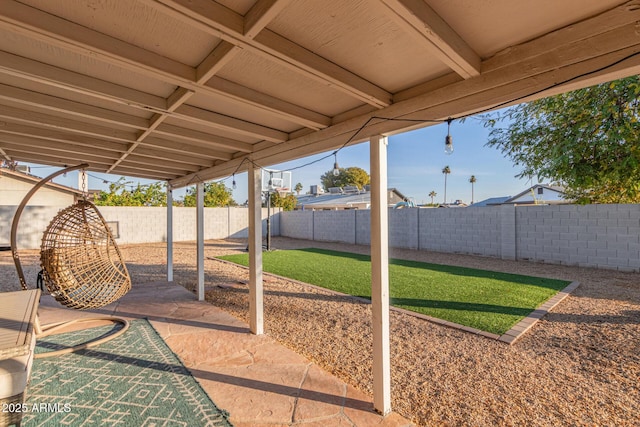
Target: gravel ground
column 580, row 365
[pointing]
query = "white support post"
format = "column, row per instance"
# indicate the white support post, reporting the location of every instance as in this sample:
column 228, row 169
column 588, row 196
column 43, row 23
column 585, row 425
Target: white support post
column 169, row 234
column 200, row 238
column 380, row 275
column 256, row 306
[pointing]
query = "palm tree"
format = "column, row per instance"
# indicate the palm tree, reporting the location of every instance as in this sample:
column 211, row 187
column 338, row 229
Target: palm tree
column 472, row 180
column 446, row 171
column 432, row 195
column 298, row 188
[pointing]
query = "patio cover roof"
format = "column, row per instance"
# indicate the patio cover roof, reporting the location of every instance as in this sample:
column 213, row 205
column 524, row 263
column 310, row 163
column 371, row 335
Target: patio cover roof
column 184, row 90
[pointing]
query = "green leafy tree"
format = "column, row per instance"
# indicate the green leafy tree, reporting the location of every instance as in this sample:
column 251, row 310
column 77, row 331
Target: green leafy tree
column 298, row 188
column 216, row 194
column 141, row 195
column 287, row 202
column 347, row 176
column 472, row 180
column 586, row 140
column 432, row 194
column 446, row 171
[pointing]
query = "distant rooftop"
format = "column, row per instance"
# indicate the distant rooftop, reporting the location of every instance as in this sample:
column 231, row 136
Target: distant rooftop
column 348, row 197
column 491, row 201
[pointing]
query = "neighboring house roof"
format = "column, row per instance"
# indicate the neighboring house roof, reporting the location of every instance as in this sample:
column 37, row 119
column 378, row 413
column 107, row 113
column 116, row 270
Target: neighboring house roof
column 25, row 177
column 492, row 201
column 399, row 194
column 540, row 193
column 360, row 200
column 456, row 204
column 536, row 194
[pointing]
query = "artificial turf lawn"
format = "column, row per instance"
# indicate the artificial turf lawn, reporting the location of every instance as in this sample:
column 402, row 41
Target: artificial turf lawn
column 486, row 300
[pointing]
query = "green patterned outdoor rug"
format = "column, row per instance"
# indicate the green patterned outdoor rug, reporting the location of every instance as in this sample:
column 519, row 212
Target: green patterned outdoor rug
column 132, row 380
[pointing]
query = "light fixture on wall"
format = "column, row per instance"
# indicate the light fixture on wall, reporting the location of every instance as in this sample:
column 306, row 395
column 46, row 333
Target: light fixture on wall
column 336, row 168
column 448, row 141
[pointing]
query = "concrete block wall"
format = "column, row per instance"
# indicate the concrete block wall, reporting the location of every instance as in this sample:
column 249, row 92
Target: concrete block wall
column 299, row 225
column 140, row 224
column 446, row 230
column 363, row 227
column 148, row 224
column 334, row 226
column 507, row 232
column 603, row 236
column 404, row 230
column 469, row 231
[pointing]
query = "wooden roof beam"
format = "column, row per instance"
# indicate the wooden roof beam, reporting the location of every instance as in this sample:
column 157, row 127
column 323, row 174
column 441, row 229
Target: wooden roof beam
column 205, row 15
column 5, row 155
column 147, row 163
column 260, row 14
column 183, row 157
column 256, row 19
column 182, row 111
column 52, row 29
column 85, row 111
column 583, row 63
column 134, row 171
column 27, row 145
column 231, row 124
column 202, row 150
column 419, row 19
column 614, row 30
column 66, row 129
column 58, row 77
column 147, row 172
column 215, row 61
column 17, row 115
column 213, row 141
column 103, row 150
column 59, row 159
column 59, row 136
column 177, row 98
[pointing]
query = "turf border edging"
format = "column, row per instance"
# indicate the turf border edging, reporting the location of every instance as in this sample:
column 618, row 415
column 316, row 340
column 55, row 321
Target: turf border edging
column 509, row 337
column 519, row 329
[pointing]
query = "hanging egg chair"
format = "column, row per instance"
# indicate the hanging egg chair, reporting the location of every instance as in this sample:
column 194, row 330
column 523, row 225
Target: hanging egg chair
column 82, row 266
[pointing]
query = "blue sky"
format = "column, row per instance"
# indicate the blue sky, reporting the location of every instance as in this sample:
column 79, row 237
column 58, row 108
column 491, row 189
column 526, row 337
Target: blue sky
column 415, row 163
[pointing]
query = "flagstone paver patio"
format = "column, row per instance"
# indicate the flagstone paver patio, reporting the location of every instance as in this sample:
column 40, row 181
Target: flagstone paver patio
column 257, row 380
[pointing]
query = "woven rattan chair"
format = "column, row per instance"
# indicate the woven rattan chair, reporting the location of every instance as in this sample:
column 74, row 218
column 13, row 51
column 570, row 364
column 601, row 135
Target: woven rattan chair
column 82, row 265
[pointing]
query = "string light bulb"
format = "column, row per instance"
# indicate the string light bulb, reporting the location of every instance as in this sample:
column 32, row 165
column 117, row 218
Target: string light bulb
column 448, row 141
column 233, row 182
column 336, row 168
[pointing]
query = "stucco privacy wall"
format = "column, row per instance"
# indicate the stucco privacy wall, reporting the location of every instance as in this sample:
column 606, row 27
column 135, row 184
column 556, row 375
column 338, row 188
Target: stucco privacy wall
column 140, row 224
column 603, row 236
